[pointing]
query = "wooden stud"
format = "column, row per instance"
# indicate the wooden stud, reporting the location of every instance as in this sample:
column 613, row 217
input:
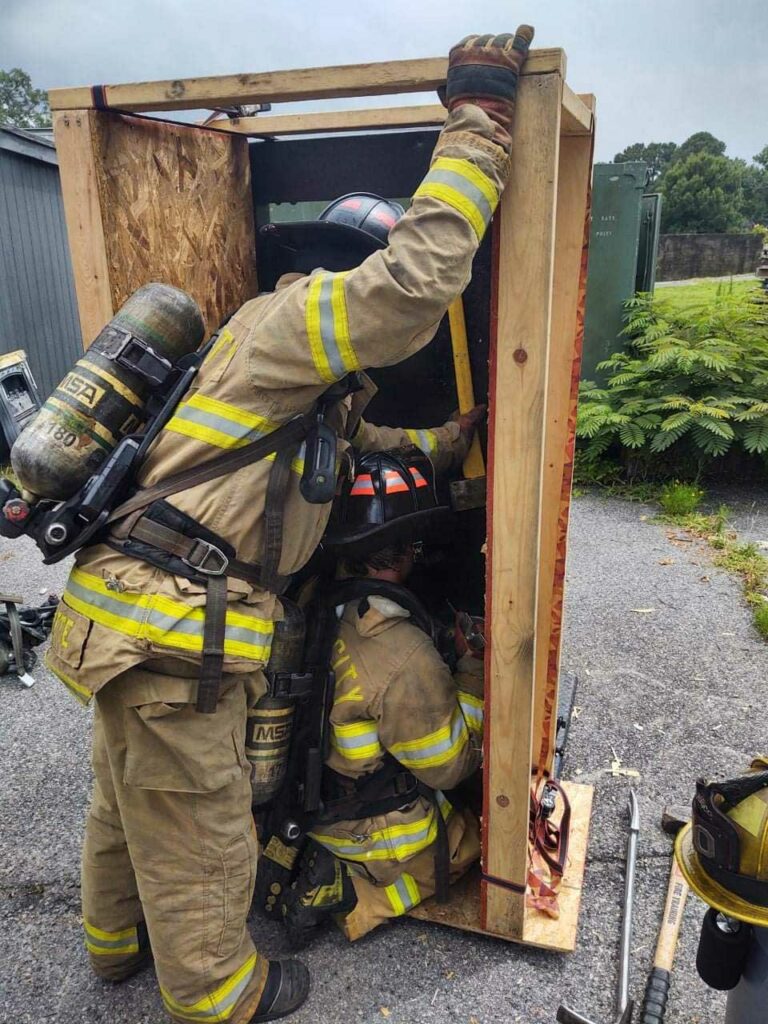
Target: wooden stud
column 519, row 354
column 73, row 131
column 375, row 119
column 577, row 113
column 564, row 365
column 576, row 119
column 382, row 79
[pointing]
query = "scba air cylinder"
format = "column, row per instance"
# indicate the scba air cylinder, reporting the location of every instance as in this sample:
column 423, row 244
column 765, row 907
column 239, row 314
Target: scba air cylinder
column 270, row 721
column 104, row 397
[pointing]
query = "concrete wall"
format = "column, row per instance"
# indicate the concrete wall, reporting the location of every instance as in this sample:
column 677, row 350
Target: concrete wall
column 684, row 256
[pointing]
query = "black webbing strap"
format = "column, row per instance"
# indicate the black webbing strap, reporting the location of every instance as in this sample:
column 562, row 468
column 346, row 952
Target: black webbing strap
column 99, row 97
column 289, row 434
column 442, row 849
column 214, row 631
column 213, row 567
column 274, row 509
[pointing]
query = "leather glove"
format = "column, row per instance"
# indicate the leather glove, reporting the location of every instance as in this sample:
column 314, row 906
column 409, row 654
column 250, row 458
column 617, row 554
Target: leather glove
column 468, row 421
column 484, row 70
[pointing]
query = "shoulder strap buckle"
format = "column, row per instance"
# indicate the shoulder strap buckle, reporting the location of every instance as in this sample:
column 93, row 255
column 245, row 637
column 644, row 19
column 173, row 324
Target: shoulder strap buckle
column 206, row 558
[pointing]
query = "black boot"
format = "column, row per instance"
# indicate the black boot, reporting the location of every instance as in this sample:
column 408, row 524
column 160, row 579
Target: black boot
column 286, row 988
column 322, row 889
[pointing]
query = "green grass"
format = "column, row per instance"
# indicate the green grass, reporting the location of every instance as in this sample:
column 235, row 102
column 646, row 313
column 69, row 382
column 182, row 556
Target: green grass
column 681, row 297
column 678, row 499
column 745, row 560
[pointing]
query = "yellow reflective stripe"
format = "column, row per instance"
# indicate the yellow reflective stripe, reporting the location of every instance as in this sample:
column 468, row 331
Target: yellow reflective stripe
column 79, row 692
column 463, row 186
column 327, row 326
column 225, row 338
column 403, row 894
column 356, row 741
column 114, row 383
column 472, row 173
column 232, row 412
column 341, row 323
column 312, row 319
column 163, row 619
column 99, row 933
column 426, row 440
column 219, row 1004
column 436, row 748
column 393, row 842
column 103, row 943
column 472, row 707
column 458, row 201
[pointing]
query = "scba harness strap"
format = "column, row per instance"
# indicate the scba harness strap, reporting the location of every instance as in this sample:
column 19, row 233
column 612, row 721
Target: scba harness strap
column 164, row 536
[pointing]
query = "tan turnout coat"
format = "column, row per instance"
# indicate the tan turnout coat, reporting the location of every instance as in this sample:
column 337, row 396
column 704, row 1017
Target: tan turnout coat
column 277, row 354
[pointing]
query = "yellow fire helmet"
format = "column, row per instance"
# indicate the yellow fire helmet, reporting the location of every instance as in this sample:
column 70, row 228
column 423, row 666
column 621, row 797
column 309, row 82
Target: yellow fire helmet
column 723, row 853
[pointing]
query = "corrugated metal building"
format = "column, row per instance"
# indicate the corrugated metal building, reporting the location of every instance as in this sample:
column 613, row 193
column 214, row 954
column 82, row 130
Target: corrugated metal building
column 38, row 309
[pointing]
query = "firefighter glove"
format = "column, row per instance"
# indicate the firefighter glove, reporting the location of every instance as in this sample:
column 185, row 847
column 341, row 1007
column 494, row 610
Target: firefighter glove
column 484, row 70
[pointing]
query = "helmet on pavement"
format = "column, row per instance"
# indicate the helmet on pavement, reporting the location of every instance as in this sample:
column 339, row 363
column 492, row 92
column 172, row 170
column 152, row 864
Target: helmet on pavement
column 347, row 231
column 390, row 499
column 723, row 852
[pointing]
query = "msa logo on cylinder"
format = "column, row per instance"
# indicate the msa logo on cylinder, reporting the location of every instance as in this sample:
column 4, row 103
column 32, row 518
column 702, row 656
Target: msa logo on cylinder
column 85, row 391
column 273, row 733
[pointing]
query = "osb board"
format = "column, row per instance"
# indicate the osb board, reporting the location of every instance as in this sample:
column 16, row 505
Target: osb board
column 176, row 207
column 463, row 909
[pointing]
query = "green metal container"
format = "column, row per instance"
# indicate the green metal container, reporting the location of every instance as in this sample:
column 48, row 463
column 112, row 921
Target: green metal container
column 617, row 194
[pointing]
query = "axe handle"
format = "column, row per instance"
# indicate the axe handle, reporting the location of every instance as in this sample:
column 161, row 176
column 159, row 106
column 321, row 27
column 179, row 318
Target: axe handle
column 474, row 465
column 657, row 989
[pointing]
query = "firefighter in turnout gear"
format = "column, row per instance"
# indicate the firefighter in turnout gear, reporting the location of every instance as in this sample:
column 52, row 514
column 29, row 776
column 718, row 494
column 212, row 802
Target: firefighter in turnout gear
column 403, row 727
column 167, row 623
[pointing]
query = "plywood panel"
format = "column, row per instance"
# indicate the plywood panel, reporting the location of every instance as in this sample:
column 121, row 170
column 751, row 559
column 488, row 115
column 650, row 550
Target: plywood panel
column 463, row 910
column 519, row 356
column 176, row 207
column 566, row 339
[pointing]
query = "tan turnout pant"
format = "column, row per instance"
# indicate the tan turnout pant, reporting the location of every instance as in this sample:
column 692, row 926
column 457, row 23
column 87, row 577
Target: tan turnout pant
column 170, row 843
column 377, row 903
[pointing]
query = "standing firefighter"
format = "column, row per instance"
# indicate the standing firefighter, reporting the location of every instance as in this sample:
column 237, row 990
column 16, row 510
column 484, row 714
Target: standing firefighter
column 173, row 615
column 402, row 727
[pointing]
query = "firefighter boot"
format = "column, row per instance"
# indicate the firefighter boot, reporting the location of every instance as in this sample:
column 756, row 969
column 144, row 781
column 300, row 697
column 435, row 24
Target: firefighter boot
column 286, row 988
column 322, row 889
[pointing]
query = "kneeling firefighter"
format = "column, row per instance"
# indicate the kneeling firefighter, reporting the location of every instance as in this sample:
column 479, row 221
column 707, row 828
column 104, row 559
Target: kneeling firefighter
column 401, row 727
column 723, row 854
column 172, row 612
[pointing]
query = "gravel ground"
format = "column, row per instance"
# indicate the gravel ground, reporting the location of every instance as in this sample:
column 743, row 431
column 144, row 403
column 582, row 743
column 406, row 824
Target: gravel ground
column 669, row 671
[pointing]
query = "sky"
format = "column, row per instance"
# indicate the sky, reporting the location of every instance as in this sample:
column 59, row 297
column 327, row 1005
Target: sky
column 661, row 69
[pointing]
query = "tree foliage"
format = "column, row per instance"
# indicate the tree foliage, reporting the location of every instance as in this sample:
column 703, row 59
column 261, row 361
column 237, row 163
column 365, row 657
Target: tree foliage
column 703, row 189
column 692, row 382
column 702, row 192
column 21, row 104
column 657, row 155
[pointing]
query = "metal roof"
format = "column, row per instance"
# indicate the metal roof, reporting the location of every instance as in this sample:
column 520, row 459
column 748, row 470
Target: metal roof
column 36, row 143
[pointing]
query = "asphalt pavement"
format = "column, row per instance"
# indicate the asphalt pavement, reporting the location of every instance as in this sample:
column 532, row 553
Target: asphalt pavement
column 671, row 683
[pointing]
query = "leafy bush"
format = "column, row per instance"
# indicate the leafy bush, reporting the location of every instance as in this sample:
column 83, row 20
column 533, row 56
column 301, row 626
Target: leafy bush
column 678, row 499
column 691, row 383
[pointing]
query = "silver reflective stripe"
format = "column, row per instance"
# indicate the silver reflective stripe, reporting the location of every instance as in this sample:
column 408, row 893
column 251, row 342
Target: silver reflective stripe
column 104, row 943
column 472, row 714
column 408, row 898
column 328, row 329
column 219, row 1004
column 411, row 754
column 386, row 843
column 166, row 623
column 441, row 176
column 237, row 431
